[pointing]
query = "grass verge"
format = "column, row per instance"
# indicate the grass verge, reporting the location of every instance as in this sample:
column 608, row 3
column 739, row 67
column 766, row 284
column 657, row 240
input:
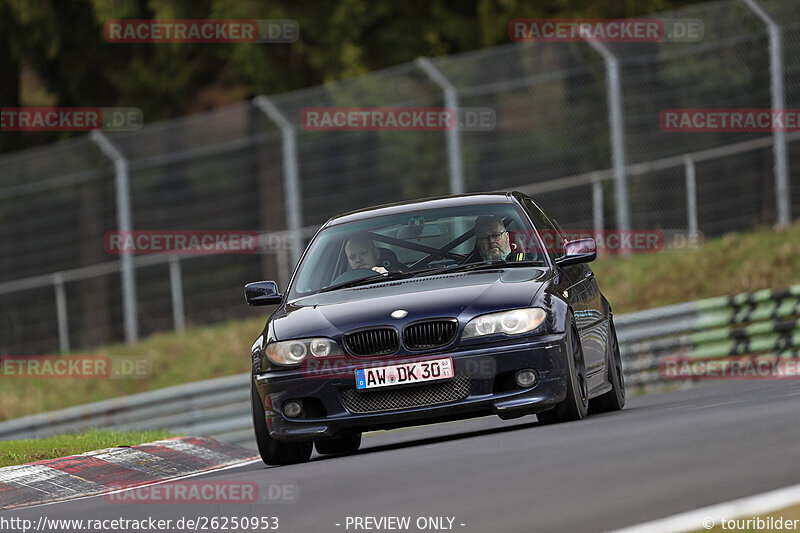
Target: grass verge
column 734, row 263
column 198, row 353
column 15, row 452
column 742, row 262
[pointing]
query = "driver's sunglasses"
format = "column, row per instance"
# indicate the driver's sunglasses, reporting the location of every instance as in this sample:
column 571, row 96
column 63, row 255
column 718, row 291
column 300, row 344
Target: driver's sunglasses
column 491, row 237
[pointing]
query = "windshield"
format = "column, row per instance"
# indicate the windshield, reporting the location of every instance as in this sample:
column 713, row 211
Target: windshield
column 417, row 242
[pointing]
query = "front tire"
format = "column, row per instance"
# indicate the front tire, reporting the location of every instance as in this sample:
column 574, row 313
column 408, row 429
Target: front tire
column 613, row 400
column 274, row 452
column 576, row 404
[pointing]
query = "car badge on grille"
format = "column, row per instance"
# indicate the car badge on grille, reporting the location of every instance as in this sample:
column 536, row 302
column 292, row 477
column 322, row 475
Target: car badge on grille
column 400, row 313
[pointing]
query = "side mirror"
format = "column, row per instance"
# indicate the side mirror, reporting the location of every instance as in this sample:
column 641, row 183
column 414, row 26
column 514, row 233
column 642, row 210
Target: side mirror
column 580, row 251
column 262, row 293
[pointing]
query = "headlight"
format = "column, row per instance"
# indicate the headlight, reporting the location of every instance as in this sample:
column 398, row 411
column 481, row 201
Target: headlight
column 320, row 347
column 293, row 352
column 511, row 322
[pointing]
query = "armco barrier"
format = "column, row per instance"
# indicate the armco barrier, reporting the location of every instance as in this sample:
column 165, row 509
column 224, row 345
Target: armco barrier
column 760, row 323
column 764, row 322
column 218, row 407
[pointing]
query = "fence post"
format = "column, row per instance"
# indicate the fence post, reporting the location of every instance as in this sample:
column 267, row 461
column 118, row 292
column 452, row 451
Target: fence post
column 783, row 202
column 691, row 198
column 597, row 208
column 454, row 153
column 618, row 158
column 291, row 173
column 61, row 313
column 124, row 224
column 176, row 288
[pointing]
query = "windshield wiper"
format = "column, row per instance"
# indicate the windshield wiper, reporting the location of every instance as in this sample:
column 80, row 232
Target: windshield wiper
column 392, row 275
column 494, row 266
column 439, row 268
column 399, row 274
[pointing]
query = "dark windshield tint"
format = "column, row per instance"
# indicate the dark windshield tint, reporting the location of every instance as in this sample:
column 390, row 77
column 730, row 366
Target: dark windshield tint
column 414, row 242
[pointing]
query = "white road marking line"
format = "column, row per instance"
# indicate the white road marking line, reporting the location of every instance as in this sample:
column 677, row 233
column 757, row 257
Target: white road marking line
column 743, row 507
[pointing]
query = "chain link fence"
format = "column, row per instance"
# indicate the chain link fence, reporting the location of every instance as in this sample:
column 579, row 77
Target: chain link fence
column 252, row 166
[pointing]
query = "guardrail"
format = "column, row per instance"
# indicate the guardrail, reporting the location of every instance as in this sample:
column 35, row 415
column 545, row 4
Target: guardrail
column 762, row 323
column 215, row 407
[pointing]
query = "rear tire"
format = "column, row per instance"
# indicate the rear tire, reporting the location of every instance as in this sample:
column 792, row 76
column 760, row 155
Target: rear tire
column 346, row 444
column 576, row 404
column 613, row 400
column 274, row 452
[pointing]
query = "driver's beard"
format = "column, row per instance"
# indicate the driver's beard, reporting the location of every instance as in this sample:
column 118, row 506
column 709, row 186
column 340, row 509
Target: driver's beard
column 497, row 254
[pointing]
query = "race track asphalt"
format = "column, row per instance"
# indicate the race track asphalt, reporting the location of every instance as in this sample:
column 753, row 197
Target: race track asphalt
column 663, row 454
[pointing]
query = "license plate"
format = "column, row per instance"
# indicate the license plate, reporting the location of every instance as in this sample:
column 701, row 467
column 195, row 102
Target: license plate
column 416, row 372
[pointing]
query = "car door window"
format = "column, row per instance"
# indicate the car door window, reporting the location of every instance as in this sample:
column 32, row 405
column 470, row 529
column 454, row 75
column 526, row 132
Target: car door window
column 551, row 234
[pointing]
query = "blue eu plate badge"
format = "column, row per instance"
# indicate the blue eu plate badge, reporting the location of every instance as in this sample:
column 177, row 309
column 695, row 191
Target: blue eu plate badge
column 361, row 382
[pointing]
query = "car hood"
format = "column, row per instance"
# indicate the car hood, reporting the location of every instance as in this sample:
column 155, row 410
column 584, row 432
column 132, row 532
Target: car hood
column 461, row 295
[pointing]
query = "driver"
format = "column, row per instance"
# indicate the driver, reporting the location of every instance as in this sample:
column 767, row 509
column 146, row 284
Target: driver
column 362, row 253
column 491, row 239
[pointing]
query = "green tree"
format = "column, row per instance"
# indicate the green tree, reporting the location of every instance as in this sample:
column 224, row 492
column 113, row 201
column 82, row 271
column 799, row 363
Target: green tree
column 63, row 43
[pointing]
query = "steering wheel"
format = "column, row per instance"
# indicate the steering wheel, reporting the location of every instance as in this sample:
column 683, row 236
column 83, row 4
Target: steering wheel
column 350, row 275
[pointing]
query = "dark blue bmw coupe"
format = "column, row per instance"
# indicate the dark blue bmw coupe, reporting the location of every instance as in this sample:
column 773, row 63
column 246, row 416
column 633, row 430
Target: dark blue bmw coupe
column 429, row 311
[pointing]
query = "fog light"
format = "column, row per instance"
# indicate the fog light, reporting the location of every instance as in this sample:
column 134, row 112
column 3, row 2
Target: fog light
column 293, row 408
column 525, row 378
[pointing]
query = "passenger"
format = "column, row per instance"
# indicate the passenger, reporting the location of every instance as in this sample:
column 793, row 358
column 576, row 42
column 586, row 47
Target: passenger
column 362, row 253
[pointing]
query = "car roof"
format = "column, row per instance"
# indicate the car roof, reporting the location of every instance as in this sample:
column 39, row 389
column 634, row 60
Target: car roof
column 425, row 203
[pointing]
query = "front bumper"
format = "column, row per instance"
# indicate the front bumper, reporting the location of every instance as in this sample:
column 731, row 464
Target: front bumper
column 487, row 368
